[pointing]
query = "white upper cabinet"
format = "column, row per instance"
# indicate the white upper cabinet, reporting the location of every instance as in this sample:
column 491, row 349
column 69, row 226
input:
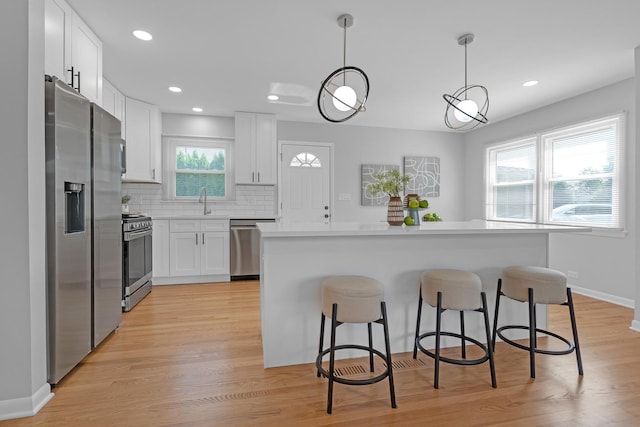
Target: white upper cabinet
column 57, row 38
column 73, row 52
column 255, row 148
column 142, row 130
column 86, row 60
column 113, row 101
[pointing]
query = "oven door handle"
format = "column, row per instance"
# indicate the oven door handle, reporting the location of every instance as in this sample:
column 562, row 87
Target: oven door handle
column 132, row 235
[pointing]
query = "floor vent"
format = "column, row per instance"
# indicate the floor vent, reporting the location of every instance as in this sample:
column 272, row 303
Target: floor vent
column 407, row 363
column 361, row 369
column 349, row 370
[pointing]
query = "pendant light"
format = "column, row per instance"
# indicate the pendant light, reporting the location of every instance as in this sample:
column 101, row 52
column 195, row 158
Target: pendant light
column 344, row 93
column 463, row 111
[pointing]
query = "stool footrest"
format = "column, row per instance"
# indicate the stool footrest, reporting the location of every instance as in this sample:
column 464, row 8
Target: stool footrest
column 570, row 347
column 341, row 380
column 451, row 360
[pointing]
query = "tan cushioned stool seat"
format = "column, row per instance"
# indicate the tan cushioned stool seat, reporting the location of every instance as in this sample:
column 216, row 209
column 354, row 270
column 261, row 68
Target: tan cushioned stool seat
column 460, row 289
column 358, row 298
column 549, row 286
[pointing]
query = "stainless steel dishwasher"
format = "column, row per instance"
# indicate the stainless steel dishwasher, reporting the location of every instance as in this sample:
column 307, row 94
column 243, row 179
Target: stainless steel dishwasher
column 245, row 248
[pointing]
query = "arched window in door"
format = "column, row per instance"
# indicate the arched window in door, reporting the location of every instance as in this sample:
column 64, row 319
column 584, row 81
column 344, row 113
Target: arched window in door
column 305, row 160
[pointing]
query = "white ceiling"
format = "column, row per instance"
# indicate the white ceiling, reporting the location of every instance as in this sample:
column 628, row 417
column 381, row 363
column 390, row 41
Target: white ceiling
column 226, row 54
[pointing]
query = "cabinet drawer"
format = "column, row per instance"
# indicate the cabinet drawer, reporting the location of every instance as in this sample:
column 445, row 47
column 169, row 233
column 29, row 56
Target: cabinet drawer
column 182, row 225
column 215, row 225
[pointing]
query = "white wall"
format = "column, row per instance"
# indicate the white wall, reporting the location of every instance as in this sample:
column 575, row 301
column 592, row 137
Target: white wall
column 357, row 145
column 197, row 125
column 636, row 322
column 606, row 262
column 23, row 371
column 353, row 146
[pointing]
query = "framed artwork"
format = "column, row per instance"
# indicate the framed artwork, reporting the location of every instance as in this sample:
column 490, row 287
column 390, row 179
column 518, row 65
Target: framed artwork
column 368, row 170
column 425, row 176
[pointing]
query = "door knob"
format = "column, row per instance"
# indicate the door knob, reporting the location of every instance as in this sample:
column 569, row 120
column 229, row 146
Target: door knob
column 326, row 208
column 326, row 215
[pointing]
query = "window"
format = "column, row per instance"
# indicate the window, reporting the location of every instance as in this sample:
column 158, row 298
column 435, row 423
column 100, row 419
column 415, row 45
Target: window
column 305, row 160
column 574, row 172
column 513, row 181
column 191, row 164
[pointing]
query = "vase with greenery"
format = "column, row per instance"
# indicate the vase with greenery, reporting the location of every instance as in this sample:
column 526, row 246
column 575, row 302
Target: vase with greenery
column 391, row 182
column 125, row 203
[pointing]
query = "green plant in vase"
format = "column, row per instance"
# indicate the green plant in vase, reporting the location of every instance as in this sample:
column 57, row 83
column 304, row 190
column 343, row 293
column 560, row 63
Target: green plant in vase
column 391, row 182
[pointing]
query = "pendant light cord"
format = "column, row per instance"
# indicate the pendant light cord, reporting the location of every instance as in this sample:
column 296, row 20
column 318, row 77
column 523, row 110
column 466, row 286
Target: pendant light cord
column 465, row 68
column 344, row 52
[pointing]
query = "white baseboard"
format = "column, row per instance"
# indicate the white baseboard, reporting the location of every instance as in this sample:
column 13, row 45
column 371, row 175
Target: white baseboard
column 25, row 406
column 180, row 280
column 625, row 302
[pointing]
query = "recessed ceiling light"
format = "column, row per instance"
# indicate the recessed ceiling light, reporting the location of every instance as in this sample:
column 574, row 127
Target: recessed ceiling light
column 175, row 89
column 142, row 35
column 530, row 83
column 273, row 97
column 197, row 109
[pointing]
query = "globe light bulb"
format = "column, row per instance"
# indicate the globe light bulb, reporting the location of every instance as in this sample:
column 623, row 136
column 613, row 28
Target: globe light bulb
column 466, row 106
column 347, row 96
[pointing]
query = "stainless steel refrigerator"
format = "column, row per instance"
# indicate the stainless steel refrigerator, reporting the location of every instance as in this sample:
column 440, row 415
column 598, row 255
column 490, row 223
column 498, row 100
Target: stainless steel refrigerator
column 106, row 225
column 84, row 251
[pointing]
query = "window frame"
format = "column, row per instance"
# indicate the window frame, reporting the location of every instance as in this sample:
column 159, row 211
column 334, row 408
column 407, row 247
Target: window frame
column 491, row 190
column 170, row 143
column 543, row 192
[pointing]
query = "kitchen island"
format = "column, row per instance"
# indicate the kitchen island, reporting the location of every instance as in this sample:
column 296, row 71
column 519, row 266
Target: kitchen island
column 295, row 257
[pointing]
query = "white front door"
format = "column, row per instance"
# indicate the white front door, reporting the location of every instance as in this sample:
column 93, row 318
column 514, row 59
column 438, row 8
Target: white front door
column 305, row 185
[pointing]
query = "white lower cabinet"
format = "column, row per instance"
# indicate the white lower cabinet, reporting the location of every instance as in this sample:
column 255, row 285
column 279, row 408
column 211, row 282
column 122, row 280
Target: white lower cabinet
column 160, row 243
column 198, row 251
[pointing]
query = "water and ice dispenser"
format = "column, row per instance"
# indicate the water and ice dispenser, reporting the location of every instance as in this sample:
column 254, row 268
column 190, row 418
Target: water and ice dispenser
column 73, row 207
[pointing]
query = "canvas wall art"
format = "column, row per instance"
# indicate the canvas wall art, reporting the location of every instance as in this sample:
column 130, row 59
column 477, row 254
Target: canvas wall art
column 425, row 176
column 368, row 171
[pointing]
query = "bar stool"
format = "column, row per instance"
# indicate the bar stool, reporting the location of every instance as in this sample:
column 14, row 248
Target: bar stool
column 458, row 290
column 354, row 299
column 536, row 285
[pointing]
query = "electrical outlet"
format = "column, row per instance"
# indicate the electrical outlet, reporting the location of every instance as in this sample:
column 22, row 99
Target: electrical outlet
column 572, row 274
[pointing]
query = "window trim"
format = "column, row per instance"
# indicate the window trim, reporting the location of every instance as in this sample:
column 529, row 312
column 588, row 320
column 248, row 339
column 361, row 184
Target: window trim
column 542, row 212
column 169, row 145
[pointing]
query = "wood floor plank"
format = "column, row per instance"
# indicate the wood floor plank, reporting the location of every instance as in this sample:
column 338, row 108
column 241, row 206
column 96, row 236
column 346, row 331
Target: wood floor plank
column 191, row 355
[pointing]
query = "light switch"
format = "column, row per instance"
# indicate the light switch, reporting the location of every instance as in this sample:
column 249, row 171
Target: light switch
column 344, row 196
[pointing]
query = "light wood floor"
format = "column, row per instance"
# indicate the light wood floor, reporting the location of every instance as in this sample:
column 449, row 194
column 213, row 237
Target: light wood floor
column 190, row 355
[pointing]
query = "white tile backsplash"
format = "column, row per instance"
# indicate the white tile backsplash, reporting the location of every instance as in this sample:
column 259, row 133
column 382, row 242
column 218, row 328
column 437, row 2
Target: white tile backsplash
column 251, row 201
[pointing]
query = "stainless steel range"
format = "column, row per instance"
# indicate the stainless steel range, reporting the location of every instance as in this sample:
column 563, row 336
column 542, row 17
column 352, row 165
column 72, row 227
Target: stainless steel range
column 137, row 233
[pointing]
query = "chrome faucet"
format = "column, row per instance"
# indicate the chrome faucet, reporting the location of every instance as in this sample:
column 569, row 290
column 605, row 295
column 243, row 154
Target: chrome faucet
column 203, row 196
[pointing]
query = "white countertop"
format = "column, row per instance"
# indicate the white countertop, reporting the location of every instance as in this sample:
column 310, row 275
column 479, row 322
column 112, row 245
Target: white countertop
column 186, row 216
column 296, row 229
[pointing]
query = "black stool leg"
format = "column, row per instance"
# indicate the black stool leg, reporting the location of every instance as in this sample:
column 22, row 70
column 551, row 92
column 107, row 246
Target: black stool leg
column 574, row 328
column 370, row 347
column 322, row 321
column 334, row 325
column 485, row 312
column 415, row 341
column 462, row 337
column 495, row 317
column 436, row 379
column 532, row 334
column 392, row 390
